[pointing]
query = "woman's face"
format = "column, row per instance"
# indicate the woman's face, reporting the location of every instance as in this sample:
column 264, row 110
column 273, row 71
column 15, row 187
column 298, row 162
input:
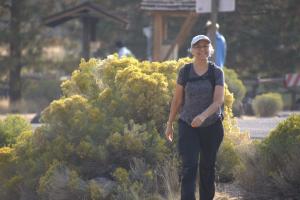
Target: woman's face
column 200, row 50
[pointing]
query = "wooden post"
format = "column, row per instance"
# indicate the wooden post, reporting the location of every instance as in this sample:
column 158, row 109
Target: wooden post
column 157, row 36
column 86, row 22
column 185, row 29
column 214, row 18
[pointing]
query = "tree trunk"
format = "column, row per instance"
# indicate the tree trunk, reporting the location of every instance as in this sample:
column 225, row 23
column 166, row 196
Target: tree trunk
column 15, row 56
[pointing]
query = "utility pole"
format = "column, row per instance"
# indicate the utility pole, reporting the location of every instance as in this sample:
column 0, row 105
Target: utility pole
column 214, row 18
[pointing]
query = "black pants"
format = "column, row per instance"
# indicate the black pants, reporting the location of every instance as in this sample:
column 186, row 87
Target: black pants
column 192, row 142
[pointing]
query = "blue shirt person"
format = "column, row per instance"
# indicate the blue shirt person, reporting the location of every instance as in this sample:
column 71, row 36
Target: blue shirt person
column 220, row 46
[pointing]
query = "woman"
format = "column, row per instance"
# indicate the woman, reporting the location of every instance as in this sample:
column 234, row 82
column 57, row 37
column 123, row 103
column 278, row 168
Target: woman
column 199, row 97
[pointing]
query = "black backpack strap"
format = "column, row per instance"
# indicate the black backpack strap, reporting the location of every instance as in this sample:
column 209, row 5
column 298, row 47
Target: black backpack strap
column 211, row 75
column 186, row 73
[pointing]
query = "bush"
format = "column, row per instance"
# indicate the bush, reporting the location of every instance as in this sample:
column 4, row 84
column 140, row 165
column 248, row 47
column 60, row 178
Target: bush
column 11, row 127
column 271, row 167
column 61, row 183
column 236, row 86
column 228, row 161
column 267, row 105
column 110, row 114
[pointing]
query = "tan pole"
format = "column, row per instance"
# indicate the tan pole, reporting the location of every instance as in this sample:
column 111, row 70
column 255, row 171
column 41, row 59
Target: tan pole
column 213, row 29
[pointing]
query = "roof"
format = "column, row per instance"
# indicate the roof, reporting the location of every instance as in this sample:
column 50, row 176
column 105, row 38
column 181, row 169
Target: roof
column 168, row 5
column 87, row 8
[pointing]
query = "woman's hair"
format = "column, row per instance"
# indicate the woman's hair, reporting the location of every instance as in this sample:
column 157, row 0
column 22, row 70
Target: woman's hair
column 211, row 50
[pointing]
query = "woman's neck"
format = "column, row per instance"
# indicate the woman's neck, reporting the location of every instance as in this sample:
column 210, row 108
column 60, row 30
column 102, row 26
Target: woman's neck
column 201, row 64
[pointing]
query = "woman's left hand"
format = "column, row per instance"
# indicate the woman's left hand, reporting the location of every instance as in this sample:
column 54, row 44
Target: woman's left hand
column 197, row 121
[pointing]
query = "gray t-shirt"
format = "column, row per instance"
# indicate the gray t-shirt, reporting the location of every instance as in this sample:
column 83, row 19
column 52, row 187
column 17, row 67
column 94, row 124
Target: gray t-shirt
column 198, row 95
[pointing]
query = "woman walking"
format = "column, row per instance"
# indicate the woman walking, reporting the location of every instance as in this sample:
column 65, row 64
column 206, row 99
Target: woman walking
column 199, row 95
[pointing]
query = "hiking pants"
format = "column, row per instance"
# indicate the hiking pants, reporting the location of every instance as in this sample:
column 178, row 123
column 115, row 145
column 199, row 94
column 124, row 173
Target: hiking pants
column 203, row 141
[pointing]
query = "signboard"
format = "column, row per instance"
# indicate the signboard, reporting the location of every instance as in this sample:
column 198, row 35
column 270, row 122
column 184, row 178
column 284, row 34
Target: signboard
column 292, row 80
column 204, row 6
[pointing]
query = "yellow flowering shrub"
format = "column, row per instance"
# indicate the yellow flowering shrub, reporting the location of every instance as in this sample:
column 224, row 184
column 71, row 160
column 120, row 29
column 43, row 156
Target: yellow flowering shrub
column 73, row 116
column 11, row 127
column 111, row 112
column 5, row 153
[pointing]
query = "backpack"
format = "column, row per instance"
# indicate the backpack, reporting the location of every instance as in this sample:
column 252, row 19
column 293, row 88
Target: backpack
column 211, row 76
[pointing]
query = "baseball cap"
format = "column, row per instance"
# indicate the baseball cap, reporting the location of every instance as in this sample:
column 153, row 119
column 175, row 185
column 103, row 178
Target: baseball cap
column 197, row 38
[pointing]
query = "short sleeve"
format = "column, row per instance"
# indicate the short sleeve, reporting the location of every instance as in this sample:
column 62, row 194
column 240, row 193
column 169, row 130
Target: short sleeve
column 219, row 74
column 180, row 80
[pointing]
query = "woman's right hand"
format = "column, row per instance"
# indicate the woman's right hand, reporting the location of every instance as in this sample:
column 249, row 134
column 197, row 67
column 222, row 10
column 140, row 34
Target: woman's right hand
column 169, row 132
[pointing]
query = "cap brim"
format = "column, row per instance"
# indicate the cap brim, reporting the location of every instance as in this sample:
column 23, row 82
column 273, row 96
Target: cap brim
column 202, row 39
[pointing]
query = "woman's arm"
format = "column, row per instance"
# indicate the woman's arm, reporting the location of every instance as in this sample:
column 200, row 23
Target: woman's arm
column 218, row 100
column 176, row 102
column 175, row 106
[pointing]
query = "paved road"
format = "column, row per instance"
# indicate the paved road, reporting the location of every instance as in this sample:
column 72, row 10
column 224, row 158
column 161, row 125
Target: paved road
column 261, row 127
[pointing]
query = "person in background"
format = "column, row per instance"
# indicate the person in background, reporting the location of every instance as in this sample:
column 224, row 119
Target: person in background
column 122, row 50
column 221, row 46
column 198, row 97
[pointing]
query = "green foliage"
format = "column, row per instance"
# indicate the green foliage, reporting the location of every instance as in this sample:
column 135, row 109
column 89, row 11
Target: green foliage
column 124, row 147
column 228, row 161
column 109, row 116
column 261, row 40
column 96, row 193
column 271, row 169
column 136, row 142
column 236, row 86
column 11, row 127
column 82, row 81
column 228, row 155
column 283, row 141
column 125, row 188
column 57, row 178
column 121, row 175
column 137, row 90
column 137, row 183
column 268, row 104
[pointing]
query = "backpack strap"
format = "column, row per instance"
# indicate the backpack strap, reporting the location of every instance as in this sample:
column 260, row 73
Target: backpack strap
column 211, row 75
column 186, row 72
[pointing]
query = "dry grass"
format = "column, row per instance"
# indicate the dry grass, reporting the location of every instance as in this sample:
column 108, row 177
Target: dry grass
column 5, row 110
column 224, row 196
column 24, row 106
column 169, row 173
column 218, row 196
column 4, row 105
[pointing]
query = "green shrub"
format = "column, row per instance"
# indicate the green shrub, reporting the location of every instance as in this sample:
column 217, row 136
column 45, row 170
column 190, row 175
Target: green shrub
column 271, row 167
column 267, row 105
column 236, row 86
column 11, row 127
column 111, row 112
column 61, row 183
column 227, row 162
